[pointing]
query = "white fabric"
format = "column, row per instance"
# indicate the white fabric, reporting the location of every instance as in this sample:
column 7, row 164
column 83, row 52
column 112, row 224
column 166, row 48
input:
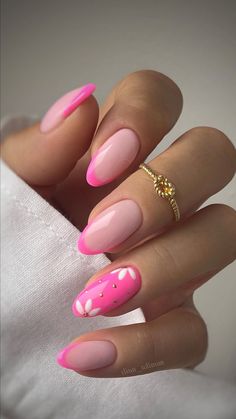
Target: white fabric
column 41, row 273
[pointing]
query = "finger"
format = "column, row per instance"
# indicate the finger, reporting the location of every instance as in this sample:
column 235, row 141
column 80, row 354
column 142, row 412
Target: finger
column 205, row 242
column 200, row 163
column 177, row 339
column 141, row 109
column 45, row 154
column 174, row 298
column 145, row 105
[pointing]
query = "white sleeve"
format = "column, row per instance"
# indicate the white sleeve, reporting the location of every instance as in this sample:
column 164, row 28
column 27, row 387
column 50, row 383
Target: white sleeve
column 41, row 273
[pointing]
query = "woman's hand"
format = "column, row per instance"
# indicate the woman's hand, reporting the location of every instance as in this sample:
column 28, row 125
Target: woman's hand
column 157, row 264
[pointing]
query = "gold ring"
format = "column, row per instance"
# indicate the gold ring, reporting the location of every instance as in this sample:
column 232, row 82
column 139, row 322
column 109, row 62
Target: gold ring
column 163, row 188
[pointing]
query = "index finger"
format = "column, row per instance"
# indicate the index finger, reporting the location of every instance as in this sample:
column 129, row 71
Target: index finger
column 137, row 114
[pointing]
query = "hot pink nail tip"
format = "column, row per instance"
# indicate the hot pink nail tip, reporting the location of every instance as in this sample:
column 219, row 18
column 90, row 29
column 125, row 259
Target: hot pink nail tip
column 91, row 176
column 87, row 355
column 108, row 292
column 113, row 157
column 64, row 106
column 83, row 248
column 110, row 228
column 79, row 98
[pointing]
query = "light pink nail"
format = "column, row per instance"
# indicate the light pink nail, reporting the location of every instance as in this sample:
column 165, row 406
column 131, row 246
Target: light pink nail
column 113, row 157
column 89, row 355
column 64, row 106
column 108, row 292
column 111, row 227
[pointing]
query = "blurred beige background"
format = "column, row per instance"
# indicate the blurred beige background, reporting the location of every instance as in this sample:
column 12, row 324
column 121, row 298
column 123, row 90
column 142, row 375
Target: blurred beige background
column 49, row 47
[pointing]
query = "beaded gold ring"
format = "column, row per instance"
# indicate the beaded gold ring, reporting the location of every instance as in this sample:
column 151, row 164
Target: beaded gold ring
column 164, row 188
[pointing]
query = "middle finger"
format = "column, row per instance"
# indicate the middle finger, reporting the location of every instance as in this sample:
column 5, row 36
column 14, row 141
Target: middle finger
column 200, row 163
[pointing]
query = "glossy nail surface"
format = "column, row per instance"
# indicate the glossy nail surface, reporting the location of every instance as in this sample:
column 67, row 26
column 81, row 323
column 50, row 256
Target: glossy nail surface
column 89, row 355
column 64, row 107
column 111, row 227
column 113, row 157
column 108, row 292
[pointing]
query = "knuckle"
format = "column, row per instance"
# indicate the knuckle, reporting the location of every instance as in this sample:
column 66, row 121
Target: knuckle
column 150, row 342
column 167, row 262
column 155, row 84
column 153, row 93
column 226, row 216
column 218, row 145
column 143, row 75
column 225, row 212
column 214, row 137
column 209, row 132
column 200, row 329
column 199, row 337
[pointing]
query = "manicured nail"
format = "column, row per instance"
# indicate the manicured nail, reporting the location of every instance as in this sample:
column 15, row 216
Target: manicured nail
column 110, row 228
column 108, row 292
column 113, row 157
column 89, row 355
column 64, row 107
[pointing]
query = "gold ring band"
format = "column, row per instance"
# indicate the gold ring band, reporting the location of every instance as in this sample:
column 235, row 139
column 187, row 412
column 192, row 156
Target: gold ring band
column 163, row 188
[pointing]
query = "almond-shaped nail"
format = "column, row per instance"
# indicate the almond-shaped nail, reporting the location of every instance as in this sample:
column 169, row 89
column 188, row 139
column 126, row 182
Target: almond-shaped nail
column 113, row 157
column 89, row 355
column 111, row 227
column 64, row 107
column 108, row 292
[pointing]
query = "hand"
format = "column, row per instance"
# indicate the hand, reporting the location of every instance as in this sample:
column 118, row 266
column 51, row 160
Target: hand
column 157, row 264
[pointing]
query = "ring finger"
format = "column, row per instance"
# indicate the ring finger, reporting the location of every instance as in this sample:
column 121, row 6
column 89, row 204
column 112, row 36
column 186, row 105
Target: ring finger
column 197, row 248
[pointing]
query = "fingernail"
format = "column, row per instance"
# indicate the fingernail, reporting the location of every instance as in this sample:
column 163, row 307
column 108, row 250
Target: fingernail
column 110, row 228
column 64, row 107
column 113, row 157
column 89, row 355
column 108, row 292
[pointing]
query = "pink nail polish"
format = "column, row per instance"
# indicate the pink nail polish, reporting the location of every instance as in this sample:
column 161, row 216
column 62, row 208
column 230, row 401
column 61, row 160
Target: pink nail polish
column 107, row 292
column 89, row 355
column 64, row 106
column 111, row 227
column 113, row 157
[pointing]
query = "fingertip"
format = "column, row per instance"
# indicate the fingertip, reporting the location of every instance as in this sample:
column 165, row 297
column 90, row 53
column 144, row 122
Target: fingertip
column 45, row 154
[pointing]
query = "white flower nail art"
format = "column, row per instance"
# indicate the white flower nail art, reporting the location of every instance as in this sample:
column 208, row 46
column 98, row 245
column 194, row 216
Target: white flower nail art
column 87, row 310
column 123, row 272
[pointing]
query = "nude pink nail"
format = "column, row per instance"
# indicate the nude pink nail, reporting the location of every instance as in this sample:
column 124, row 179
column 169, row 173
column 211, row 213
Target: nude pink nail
column 89, row 355
column 111, row 227
column 115, row 155
column 108, row 292
column 64, row 107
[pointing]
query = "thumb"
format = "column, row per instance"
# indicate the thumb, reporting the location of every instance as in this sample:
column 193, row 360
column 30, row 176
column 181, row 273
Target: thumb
column 44, row 154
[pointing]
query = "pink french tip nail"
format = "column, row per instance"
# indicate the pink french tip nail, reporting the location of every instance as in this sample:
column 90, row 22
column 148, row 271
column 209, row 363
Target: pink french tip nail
column 89, row 355
column 110, row 228
column 64, row 107
column 108, row 292
column 113, row 157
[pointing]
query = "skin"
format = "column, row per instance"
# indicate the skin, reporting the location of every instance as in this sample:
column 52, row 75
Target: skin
column 173, row 259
